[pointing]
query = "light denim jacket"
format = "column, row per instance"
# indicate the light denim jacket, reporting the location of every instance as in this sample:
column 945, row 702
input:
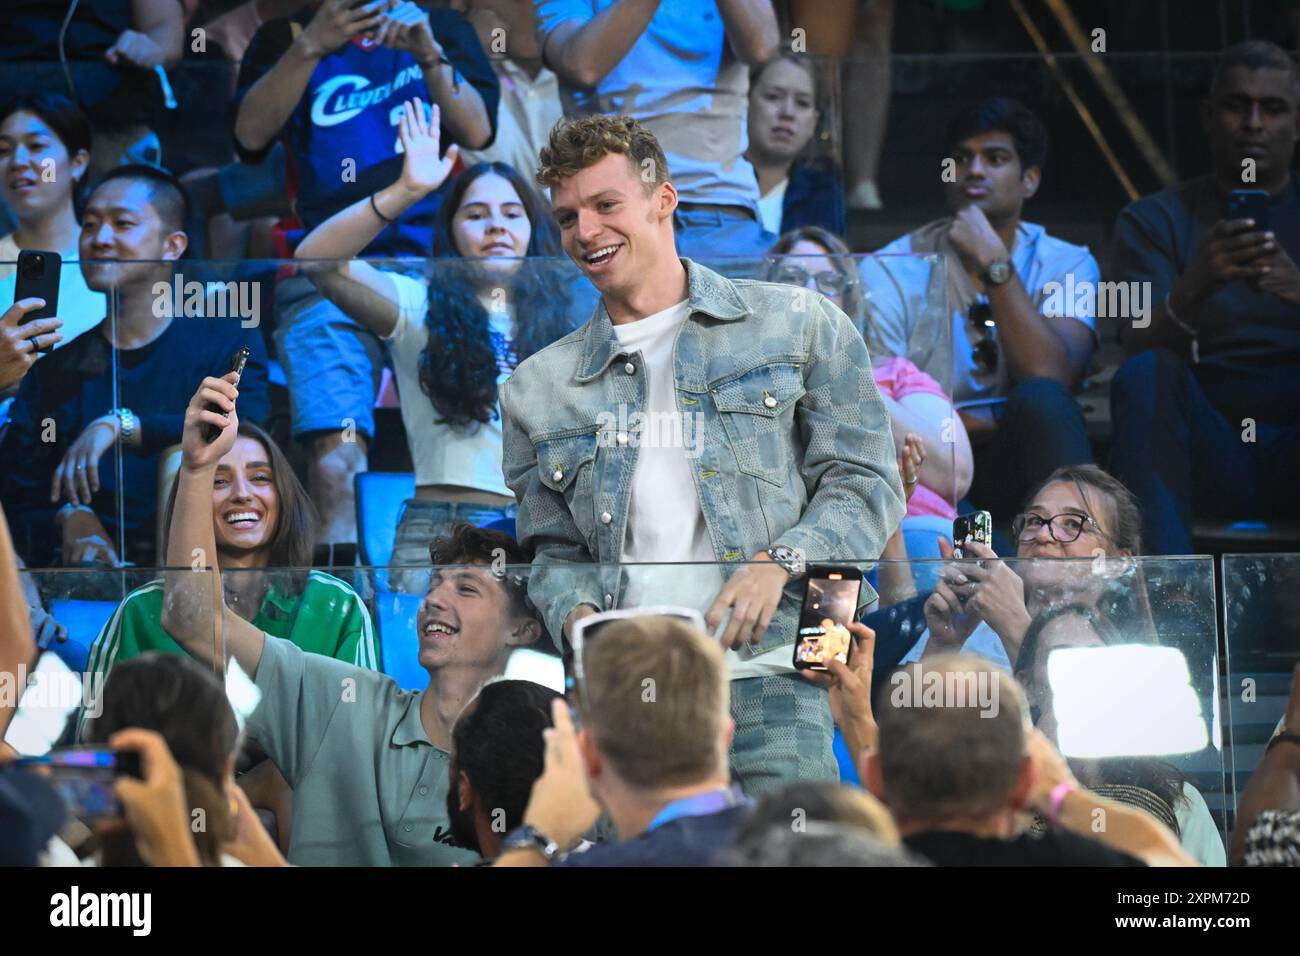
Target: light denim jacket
column 796, row 450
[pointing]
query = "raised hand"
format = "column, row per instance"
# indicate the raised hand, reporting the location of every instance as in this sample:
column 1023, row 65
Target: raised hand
column 424, row 168
column 406, row 27
column 196, row 453
column 337, row 22
column 20, row 341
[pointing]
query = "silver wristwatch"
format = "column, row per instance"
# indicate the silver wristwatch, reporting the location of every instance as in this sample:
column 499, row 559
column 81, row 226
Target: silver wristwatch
column 998, row 272
column 788, row 558
column 128, row 424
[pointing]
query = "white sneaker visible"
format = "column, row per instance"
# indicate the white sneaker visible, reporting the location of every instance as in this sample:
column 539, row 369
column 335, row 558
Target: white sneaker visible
column 865, row 195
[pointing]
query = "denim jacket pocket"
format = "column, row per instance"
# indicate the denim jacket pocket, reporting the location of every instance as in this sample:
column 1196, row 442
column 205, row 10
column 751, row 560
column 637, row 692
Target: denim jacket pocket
column 757, row 411
column 565, row 464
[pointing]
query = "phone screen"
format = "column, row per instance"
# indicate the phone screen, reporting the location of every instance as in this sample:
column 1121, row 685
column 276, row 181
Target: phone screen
column 829, row 603
column 85, row 776
column 976, row 526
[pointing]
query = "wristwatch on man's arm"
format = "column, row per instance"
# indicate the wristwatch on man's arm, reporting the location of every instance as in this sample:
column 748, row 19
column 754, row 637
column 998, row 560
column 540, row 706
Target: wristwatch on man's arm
column 528, row 837
column 788, row 558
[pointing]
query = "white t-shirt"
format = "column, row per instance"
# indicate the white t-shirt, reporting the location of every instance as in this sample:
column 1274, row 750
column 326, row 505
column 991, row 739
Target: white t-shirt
column 470, row 458
column 772, row 206
column 665, row 521
column 79, row 307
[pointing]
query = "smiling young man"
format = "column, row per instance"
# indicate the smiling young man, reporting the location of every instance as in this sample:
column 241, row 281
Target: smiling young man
column 121, row 386
column 694, row 419
column 1207, row 409
column 1017, row 352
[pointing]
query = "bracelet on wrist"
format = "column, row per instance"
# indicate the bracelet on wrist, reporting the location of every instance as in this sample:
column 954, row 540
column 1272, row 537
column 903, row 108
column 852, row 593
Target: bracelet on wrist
column 377, row 212
column 1057, row 800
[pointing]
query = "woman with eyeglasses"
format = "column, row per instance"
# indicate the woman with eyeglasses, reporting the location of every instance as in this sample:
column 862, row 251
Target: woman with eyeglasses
column 1078, row 512
column 819, row 260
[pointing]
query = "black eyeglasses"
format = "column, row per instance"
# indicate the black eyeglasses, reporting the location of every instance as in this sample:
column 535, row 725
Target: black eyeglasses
column 1063, row 527
column 986, row 346
column 829, row 282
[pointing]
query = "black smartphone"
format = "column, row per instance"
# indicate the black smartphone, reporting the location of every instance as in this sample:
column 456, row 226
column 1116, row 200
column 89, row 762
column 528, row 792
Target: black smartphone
column 1249, row 204
column 85, row 776
column 830, row 602
column 976, row 526
column 237, row 362
column 38, row 278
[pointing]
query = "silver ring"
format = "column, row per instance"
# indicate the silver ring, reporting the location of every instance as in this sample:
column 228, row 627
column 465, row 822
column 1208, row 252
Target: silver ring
column 36, row 344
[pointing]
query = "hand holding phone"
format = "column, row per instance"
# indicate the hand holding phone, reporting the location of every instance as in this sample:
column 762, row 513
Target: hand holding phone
column 237, row 362
column 38, row 278
column 976, row 526
column 830, row 604
column 85, row 778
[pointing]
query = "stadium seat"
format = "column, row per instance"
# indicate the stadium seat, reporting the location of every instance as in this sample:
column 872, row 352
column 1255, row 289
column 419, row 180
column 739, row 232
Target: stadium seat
column 84, row 620
column 380, row 496
column 400, row 647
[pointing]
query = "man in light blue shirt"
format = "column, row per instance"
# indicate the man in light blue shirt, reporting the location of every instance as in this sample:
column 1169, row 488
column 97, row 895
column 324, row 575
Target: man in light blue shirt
column 1021, row 302
column 681, row 67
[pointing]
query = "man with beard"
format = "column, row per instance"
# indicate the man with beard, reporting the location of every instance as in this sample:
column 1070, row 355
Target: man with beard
column 122, row 386
column 497, row 754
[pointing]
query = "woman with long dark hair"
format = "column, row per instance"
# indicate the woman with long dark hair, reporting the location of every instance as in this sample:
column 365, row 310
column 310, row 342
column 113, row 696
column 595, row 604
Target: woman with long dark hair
column 264, row 527
column 453, row 338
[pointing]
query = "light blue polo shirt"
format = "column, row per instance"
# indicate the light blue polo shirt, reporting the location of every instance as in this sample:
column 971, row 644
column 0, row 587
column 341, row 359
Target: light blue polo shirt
column 369, row 787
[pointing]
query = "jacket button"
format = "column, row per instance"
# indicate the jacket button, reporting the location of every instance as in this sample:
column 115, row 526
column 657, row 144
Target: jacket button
column 630, row 368
column 606, row 517
column 609, row 600
column 407, row 828
column 622, row 438
column 770, row 402
column 557, row 475
column 423, row 791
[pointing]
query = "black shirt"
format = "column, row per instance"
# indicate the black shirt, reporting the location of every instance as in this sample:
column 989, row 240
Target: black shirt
column 1249, row 340
column 682, row 841
column 68, row 389
column 952, row 848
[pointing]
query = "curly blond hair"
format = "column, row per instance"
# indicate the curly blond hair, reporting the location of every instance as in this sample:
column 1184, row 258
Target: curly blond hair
column 581, row 142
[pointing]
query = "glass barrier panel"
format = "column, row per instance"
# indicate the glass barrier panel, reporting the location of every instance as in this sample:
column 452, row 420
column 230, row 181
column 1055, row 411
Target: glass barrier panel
column 1261, row 608
column 1116, row 658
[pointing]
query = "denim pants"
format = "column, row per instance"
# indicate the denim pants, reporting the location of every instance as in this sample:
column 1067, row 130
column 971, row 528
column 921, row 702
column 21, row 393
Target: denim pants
column 422, row 521
column 784, row 732
column 1040, row 429
column 711, row 232
column 1182, row 456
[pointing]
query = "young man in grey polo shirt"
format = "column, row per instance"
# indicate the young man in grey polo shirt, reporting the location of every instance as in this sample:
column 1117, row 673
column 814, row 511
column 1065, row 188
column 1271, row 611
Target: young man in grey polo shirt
column 367, row 761
column 681, row 67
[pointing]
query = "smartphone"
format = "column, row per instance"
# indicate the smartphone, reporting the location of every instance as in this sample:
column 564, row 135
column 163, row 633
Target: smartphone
column 38, row 278
column 237, row 362
column 976, row 526
column 84, row 777
column 830, row 602
column 1249, row 204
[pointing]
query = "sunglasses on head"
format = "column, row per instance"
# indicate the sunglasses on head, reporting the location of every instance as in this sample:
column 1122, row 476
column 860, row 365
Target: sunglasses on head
column 591, row 627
